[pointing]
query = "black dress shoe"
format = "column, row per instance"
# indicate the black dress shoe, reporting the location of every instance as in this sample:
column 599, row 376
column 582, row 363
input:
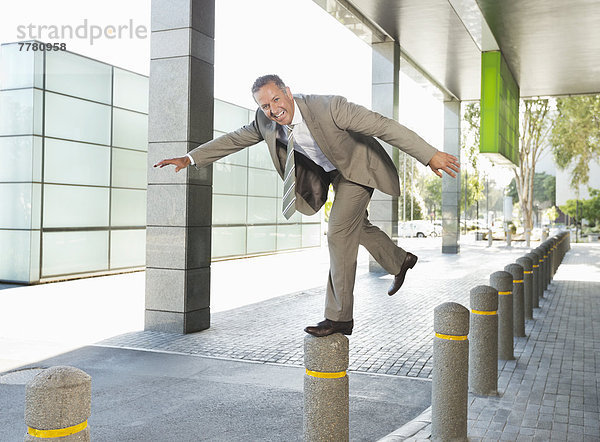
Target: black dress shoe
column 409, row 263
column 328, row 327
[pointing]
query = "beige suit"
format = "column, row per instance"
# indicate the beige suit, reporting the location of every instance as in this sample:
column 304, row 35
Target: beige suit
column 345, row 134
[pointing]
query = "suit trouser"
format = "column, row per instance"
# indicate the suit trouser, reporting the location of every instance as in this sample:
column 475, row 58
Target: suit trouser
column 348, row 227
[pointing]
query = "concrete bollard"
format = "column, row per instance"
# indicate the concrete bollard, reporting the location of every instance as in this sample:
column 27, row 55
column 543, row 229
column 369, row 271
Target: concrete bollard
column 58, row 403
column 527, row 263
column 483, row 341
column 508, row 238
column 546, row 264
column 554, row 257
column 542, row 280
column 518, row 299
column 537, row 276
column 544, row 234
column 490, row 238
column 326, row 395
column 503, row 282
column 449, row 389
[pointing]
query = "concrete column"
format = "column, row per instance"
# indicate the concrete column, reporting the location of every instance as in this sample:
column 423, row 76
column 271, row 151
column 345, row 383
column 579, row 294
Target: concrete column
column 180, row 117
column 326, row 391
column 383, row 210
column 451, row 186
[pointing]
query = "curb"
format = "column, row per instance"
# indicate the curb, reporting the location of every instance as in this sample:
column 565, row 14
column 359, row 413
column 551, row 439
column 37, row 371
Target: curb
column 417, row 429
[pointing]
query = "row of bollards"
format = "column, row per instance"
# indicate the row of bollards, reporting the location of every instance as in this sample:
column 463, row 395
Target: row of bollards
column 498, row 314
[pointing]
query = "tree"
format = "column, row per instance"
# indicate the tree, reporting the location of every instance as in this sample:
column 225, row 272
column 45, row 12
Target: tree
column 544, row 190
column 472, row 181
column 535, row 127
column 576, row 135
column 430, row 189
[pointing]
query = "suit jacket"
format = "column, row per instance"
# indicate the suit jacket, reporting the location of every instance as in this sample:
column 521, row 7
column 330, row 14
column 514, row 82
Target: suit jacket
column 344, row 131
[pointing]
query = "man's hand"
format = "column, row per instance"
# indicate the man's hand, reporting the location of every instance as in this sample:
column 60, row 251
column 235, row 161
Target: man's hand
column 446, row 162
column 179, row 163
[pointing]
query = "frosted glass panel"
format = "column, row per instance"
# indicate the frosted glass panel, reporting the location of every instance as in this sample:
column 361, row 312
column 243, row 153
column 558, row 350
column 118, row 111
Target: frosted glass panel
column 18, row 68
column 229, row 209
column 78, row 120
column 289, row 237
column 259, row 156
column 262, row 182
column 229, row 179
column 21, row 112
column 75, row 206
column 128, row 207
column 130, row 129
column 23, row 151
column 129, row 168
column 21, row 265
column 262, row 210
column 311, row 235
column 69, row 162
column 74, row 75
column 16, row 203
column 229, row 117
column 228, row 241
column 296, row 217
column 240, row 157
column 74, row 252
column 127, row 248
column 261, row 239
column 130, row 90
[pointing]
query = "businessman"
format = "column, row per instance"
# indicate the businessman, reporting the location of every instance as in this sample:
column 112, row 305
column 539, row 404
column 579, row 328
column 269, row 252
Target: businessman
column 315, row 141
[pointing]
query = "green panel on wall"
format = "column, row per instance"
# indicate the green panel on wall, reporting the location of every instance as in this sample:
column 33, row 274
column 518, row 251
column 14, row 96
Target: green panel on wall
column 499, row 131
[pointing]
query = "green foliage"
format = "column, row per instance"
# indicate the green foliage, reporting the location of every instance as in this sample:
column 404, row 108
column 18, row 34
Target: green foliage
column 576, row 135
column 430, row 189
column 544, row 189
column 588, row 209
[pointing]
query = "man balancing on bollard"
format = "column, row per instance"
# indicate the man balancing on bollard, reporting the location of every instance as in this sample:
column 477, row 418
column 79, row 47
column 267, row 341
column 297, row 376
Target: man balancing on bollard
column 317, row 140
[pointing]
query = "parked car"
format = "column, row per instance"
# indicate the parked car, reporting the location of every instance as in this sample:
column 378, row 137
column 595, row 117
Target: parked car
column 417, row 228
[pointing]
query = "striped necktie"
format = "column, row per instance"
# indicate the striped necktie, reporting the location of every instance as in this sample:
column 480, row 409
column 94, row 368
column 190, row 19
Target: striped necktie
column 289, row 178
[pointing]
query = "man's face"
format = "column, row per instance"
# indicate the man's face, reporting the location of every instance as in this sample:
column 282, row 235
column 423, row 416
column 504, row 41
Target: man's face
column 278, row 105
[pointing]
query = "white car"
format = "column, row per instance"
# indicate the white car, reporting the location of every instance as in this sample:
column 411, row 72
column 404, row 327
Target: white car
column 419, row 228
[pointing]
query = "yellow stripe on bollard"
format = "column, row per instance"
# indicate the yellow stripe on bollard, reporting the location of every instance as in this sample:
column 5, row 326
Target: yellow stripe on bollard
column 451, row 337
column 535, row 266
column 517, row 281
column 527, row 272
column 483, row 312
column 47, row 434
column 505, row 293
column 325, row 375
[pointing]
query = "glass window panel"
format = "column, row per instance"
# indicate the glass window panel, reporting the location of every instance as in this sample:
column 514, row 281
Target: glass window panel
column 130, row 129
column 127, row 248
column 230, row 179
column 262, row 182
column 19, row 69
column 22, row 264
column 239, row 158
column 24, row 151
column 17, row 201
column 74, row 252
column 69, row 162
column 78, row 120
column 296, row 217
column 228, row 241
column 72, row 74
column 289, row 237
column 311, row 235
column 130, row 90
column 262, row 239
column 259, row 156
column 262, row 210
column 129, row 168
column 128, row 207
column 21, row 112
column 75, row 206
column 229, row 209
column 229, row 117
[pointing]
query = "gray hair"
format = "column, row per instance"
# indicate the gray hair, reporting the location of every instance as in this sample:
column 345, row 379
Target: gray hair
column 266, row 79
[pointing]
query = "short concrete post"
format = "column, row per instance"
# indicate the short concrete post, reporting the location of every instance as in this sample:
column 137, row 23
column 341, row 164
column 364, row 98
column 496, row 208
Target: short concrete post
column 518, row 299
column 490, row 238
column 545, row 265
column 544, row 234
column 527, row 238
column 503, row 282
column 483, row 341
column 508, row 238
column 542, row 286
column 554, row 257
column 535, row 292
column 449, row 390
column 326, row 395
column 58, row 403
column 527, row 263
